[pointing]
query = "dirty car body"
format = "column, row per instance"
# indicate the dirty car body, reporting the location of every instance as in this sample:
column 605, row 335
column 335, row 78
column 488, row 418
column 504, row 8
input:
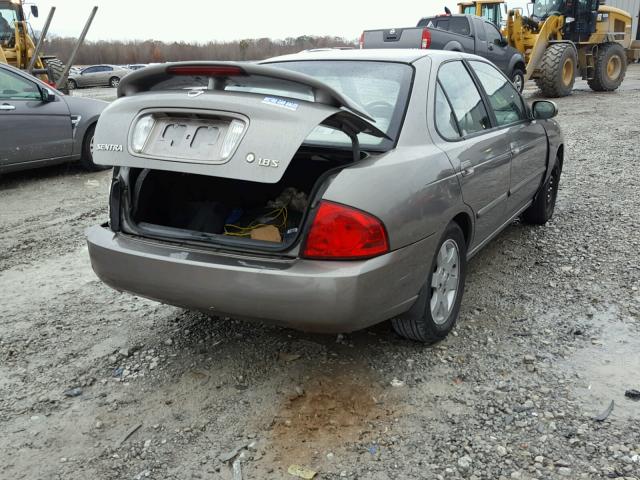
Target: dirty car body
column 354, row 132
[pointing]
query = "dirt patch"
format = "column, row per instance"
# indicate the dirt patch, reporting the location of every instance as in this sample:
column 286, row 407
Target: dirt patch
column 330, row 413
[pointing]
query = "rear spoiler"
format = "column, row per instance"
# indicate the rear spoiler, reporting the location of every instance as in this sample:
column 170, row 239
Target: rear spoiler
column 218, row 73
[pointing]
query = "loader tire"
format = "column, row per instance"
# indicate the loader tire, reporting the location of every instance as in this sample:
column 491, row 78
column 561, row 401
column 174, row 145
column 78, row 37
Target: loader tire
column 55, row 67
column 557, row 70
column 610, row 68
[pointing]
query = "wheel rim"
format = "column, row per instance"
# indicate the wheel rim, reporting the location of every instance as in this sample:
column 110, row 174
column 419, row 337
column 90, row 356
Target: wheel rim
column 91, row 146
column 567, row 72
column 614, row 67
column 71, row 85
column 115, row 82
column 445, row 281
column 518, row 82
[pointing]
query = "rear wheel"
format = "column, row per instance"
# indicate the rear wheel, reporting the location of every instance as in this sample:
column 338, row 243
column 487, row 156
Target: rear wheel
column 435, row 312
column 610, row 68
column 114, row 82
column 517, row 78
column 542, row 208
column 557, row 70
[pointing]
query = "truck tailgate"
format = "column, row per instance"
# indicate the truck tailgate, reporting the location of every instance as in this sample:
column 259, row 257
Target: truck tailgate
column 393, row 38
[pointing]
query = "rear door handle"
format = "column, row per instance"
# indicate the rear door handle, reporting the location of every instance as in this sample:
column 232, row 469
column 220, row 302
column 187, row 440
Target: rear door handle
column 6, row 107
column 467, row 169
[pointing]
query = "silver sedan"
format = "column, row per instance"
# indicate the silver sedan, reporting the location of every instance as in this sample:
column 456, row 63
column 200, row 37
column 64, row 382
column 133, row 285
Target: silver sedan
column 326, row 191
column 98, row 76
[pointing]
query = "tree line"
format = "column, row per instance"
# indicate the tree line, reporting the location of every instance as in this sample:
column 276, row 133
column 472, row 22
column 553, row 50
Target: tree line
column 151, row 51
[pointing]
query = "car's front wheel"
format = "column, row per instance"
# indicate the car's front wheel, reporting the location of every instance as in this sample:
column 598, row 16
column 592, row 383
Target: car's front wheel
column 436, row 310
column 542, row 208
column 71, row 84
column 86, row 160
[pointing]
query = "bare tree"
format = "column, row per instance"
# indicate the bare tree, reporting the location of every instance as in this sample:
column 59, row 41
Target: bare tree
column 152, row 51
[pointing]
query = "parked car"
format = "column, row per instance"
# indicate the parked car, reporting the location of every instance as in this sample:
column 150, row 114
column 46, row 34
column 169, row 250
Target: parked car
column 41, row 126
column 98, row 76
column 458, row 33
column 327, row 191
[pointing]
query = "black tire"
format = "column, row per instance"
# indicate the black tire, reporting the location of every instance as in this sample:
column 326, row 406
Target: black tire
column 542, row 208
column 517, row 78
column 55, row 69
column 114, row 82
column 418, row 323
column 71, row 84
column 557, row 70
column 610, row 68
column 86, row 160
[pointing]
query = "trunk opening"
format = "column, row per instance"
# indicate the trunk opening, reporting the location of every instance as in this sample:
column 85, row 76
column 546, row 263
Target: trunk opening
column 229, row 212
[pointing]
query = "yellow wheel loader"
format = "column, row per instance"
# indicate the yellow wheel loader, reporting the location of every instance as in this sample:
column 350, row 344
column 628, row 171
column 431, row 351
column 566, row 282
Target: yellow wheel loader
column 17, row 47
column 565, row 38
column 489, row 9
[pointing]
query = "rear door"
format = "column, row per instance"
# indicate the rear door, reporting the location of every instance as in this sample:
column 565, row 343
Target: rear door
column 527, row 138
column 106, row 72
column 480, row 37
column 89, row 77
column 31, row 129
column 479, row 153
column 496, row 52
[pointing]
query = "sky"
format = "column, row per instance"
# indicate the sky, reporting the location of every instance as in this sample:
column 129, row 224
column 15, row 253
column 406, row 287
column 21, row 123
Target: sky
column 222, row 20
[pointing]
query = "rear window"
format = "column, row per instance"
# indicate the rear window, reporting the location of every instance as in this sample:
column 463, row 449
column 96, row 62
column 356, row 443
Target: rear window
column 458, row 25
column 380, row 88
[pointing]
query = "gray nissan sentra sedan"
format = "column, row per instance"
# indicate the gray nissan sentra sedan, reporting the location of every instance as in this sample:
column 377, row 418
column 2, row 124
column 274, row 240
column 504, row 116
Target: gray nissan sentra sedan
column 326, row 191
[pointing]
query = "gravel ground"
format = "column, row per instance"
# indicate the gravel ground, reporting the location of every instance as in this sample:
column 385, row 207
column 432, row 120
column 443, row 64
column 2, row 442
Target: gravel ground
column 98, row 384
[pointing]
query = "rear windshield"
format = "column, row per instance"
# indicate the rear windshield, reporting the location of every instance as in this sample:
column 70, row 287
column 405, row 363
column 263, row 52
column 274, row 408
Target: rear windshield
column 451, row 24
column 380, row 88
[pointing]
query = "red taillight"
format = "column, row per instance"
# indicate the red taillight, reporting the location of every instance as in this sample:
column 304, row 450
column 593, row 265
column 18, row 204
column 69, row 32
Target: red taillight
column 426, row 38
column 361, row 41
column 206, row 70
column 341, row 232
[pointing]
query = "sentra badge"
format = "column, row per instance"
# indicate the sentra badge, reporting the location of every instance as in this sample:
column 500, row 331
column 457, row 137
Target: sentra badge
column 109, row 147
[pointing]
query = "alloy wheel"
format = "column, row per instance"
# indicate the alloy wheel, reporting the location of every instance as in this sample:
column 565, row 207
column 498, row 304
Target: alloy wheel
column 445, row 281
column 518, row 82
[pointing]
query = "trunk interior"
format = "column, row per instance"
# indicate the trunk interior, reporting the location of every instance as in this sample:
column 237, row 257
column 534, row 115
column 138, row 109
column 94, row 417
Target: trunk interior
column 200, row 207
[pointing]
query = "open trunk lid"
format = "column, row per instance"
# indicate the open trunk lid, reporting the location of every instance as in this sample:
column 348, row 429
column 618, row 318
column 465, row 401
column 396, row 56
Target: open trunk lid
column 212, row 129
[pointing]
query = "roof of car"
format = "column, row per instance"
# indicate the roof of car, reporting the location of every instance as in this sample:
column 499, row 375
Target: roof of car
column 403, row 55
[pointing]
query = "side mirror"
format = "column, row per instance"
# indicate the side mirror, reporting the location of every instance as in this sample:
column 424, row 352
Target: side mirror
column 544, row 109
column 47, row 95
column 34, row 10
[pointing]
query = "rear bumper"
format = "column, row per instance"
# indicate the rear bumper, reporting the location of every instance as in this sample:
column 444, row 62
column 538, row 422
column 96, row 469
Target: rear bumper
column 311, row 295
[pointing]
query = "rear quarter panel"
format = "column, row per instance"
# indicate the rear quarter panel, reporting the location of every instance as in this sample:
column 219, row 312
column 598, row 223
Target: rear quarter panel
column 444, row 40
column 413, row 188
